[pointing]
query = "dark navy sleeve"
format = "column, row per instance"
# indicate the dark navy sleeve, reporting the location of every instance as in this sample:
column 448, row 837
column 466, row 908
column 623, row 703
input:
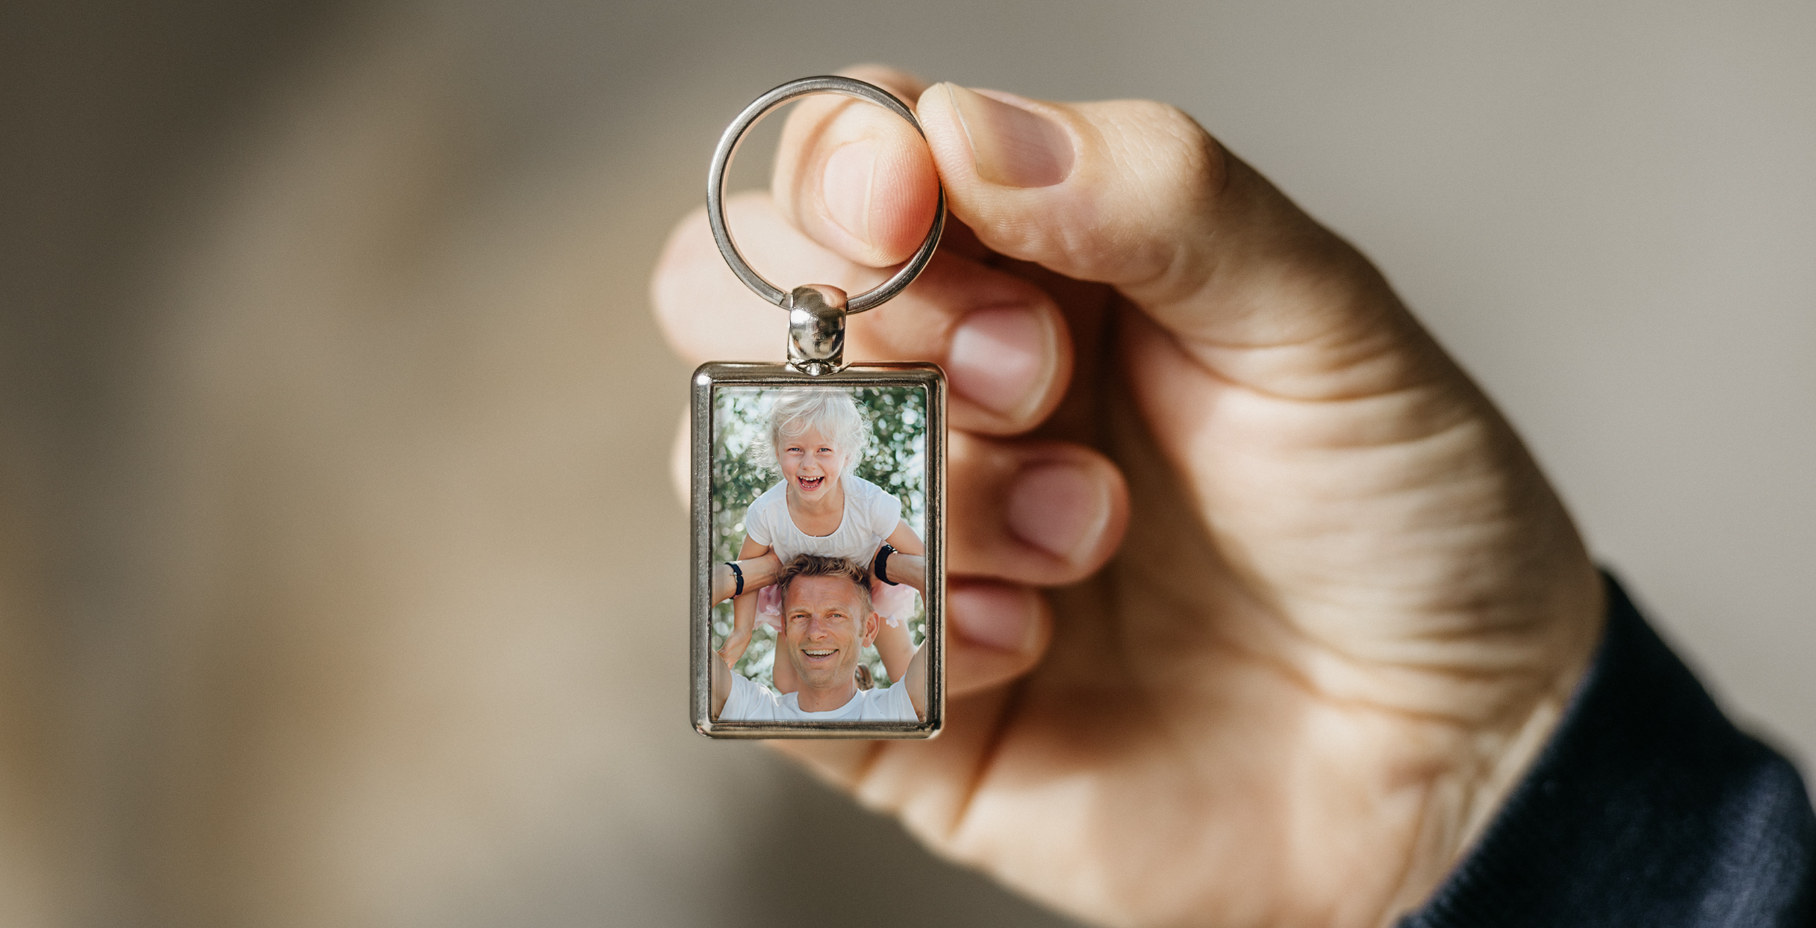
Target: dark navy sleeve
column 1648, row 807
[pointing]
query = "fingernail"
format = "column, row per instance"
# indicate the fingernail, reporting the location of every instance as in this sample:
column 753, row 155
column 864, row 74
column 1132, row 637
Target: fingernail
column 846, row 186
column 1058, row 508
column 993, row 615
column 1001, row 356
column 1011, row 146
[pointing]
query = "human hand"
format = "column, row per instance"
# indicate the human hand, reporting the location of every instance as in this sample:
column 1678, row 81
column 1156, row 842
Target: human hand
column 1348, row 607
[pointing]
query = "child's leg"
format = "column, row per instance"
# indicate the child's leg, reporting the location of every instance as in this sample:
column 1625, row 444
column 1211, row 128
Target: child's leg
column 784, row 670
column 896, row 648
column 743, row 622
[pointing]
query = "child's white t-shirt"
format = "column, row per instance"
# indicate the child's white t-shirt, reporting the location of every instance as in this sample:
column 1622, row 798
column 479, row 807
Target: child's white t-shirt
column 871, row 514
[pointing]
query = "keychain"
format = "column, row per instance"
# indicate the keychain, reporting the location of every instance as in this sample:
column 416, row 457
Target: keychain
column 818, row 501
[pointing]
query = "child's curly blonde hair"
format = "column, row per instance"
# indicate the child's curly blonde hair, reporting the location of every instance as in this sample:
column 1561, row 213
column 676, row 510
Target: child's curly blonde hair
column 829, row 410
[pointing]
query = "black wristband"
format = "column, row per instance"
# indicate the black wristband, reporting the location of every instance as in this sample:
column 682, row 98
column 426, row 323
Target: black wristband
column 882, row 563
column 737, row 572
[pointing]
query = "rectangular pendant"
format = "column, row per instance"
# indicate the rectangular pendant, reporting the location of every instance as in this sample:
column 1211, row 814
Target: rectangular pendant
column 818, row 472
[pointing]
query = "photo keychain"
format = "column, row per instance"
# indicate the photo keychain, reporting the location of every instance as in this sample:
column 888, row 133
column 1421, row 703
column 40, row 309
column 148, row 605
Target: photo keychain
column 818, row 502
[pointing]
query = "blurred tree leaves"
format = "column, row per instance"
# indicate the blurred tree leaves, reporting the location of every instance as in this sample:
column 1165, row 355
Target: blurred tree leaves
column 895, row 460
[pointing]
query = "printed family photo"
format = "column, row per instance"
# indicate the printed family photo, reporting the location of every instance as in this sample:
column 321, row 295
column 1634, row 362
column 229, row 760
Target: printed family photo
column 818, row 521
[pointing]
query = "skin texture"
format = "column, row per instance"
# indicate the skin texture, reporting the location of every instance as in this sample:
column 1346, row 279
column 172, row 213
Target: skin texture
column 759, row 572
column 1316, row 608
column 827, row 627
column 811, row 467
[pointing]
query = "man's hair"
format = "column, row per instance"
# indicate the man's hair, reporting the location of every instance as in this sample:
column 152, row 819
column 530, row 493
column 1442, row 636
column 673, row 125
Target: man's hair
column 818, row 565
column 829, row 410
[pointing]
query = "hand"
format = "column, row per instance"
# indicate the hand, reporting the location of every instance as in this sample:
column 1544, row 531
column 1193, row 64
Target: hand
column 1348, row 608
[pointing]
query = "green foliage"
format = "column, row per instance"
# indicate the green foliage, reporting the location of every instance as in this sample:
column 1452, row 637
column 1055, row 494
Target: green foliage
column 894, row 460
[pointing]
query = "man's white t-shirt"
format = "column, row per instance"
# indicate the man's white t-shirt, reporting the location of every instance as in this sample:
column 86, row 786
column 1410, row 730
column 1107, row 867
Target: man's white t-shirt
column 871, row 514
column 753, row 702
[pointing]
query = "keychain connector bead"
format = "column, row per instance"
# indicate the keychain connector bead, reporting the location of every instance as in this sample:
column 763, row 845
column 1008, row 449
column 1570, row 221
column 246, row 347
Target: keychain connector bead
column 816, row 329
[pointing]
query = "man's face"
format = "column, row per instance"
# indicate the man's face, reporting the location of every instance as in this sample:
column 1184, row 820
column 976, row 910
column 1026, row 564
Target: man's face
column 827, row 627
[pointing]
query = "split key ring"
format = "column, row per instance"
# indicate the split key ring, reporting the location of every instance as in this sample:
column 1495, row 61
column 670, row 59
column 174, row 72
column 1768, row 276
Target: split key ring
column 728, row 146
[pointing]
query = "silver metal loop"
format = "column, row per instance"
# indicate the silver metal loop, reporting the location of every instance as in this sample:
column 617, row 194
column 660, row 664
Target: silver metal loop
column 728, row 146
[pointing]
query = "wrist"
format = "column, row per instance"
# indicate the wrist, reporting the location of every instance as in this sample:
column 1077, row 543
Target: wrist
column 1493, row 759
column 880, row 567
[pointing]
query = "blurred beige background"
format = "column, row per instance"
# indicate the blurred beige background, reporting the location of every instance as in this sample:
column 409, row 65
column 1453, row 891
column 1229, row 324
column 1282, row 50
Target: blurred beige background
column 340, row 580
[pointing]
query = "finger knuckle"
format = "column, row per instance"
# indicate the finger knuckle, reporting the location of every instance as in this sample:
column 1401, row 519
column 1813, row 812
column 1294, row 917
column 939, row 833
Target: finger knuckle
column 1181, row 152
column 1177, row 174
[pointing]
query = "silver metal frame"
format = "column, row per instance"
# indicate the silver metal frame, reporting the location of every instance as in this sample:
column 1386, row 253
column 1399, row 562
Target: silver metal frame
column 728, row 147
column 707, row 379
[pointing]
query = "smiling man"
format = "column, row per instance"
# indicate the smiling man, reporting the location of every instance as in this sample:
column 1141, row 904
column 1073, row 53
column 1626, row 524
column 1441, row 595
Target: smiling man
column 827, row 623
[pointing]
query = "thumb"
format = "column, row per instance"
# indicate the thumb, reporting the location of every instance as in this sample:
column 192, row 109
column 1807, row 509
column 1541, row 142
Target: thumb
column 1137, row 195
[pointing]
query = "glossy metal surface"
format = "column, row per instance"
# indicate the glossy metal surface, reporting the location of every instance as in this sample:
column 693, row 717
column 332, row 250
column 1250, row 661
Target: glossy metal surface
column 816, row 329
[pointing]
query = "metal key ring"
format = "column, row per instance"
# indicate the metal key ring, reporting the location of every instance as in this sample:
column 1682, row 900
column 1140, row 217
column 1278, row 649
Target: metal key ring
column 728, row 146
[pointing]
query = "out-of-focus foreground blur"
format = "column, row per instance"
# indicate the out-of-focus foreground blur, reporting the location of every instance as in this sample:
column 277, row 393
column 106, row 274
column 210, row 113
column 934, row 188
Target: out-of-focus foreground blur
column 340, row 578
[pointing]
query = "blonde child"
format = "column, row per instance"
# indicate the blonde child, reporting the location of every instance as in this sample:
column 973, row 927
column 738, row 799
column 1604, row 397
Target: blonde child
column 817, row 437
